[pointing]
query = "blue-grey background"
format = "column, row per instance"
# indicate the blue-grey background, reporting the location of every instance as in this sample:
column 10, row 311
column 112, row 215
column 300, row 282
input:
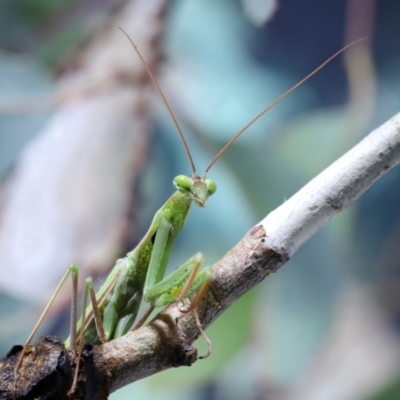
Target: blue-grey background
column 219, row 71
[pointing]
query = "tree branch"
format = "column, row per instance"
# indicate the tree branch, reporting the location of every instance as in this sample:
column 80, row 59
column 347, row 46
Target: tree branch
column 167, row 341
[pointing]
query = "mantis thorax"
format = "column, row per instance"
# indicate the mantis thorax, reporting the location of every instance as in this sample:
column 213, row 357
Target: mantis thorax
column 196, row 188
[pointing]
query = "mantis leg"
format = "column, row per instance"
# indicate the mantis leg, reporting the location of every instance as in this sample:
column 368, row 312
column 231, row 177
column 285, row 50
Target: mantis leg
column 181, row 283
column 206, row 338
column 89, row 290
column 121, row 311
column 73, row 271
column 168, row 295
column 170, row 288
column 124, row 288
column 96, row 312
column 75, row 343
column 79, row 346
column 163, row 243
column 195, row 302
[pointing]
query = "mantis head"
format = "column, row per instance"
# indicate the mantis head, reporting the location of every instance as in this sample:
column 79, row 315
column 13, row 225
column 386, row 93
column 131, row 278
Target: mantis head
column 196, row 188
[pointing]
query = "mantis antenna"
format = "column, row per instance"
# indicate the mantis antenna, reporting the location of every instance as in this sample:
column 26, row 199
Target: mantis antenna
column 164, row 99
column 274, row 103
column 258, row 116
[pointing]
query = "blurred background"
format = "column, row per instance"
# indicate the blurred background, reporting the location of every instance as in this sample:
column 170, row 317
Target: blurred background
column 88, row 154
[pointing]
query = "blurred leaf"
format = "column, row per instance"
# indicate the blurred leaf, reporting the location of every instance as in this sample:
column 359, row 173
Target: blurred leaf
column 63, row 43
column 329, row 129
column 35, row 11
column 391, row 392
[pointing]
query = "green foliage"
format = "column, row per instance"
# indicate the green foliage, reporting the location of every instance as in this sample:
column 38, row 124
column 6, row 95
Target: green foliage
column 35, row 12
column 391, row 392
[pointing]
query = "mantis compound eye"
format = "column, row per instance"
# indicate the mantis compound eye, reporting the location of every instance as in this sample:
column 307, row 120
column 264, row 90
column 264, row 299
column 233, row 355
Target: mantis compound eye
column 211, row 186
column 183, row 183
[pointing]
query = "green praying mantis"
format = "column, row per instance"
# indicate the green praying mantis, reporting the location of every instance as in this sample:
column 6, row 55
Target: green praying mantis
column 140, row 274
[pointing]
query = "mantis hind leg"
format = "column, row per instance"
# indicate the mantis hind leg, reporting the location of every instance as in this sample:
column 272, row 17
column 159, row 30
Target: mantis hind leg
column 73, row 271
column 78, row 343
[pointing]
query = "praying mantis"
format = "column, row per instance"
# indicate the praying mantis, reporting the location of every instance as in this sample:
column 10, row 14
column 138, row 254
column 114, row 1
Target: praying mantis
column 140, row 274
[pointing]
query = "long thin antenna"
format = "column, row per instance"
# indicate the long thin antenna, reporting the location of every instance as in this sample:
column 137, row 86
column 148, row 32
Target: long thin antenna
column 222, row 151
column 152, row 77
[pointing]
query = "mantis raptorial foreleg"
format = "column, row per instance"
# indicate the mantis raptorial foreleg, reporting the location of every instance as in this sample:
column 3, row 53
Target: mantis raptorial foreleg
column 181, row 283
column 173, row 286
